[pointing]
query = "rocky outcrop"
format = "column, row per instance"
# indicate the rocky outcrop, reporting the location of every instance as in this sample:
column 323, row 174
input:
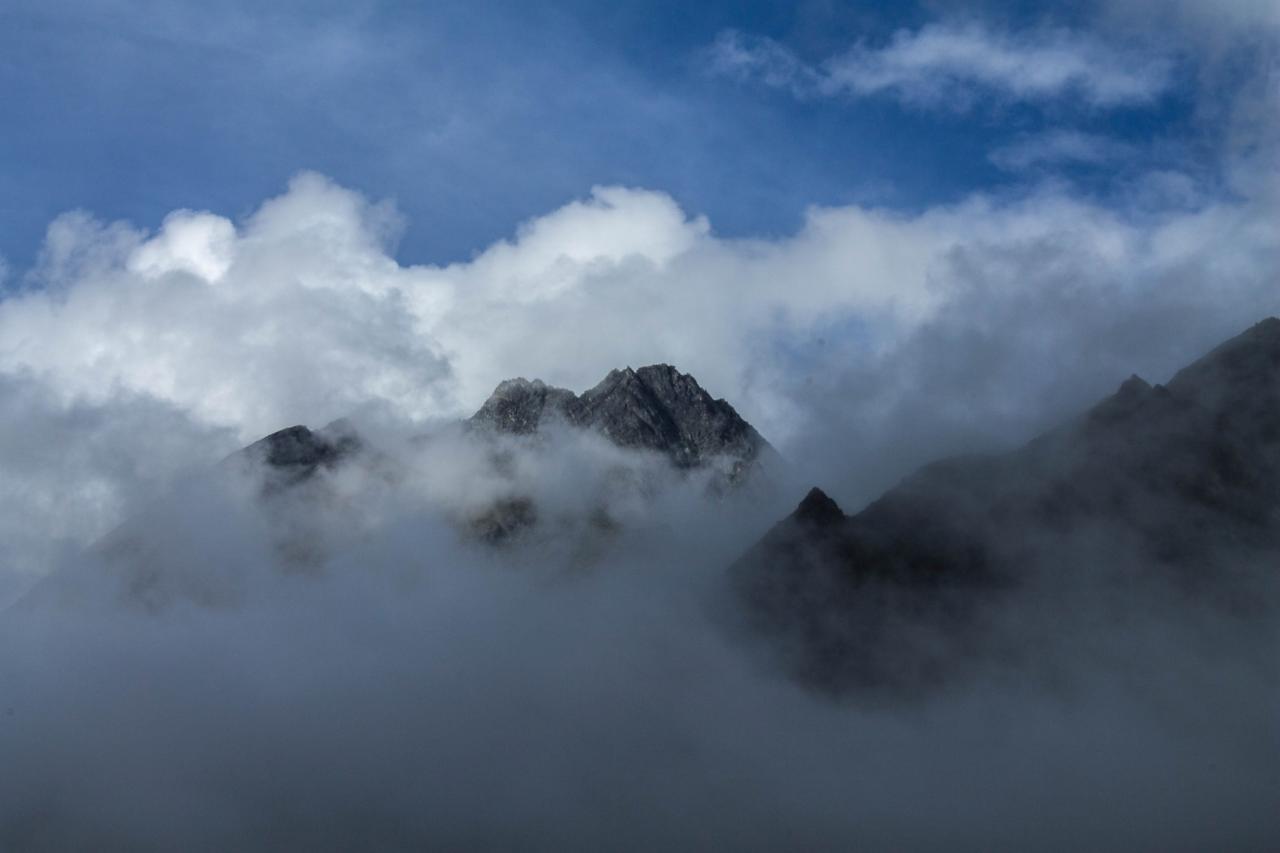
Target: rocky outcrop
column 519, row 406
column 655, row 408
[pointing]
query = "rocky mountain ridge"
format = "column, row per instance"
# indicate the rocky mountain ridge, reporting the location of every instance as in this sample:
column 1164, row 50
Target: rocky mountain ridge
column 1175, row 484
column 654, row 408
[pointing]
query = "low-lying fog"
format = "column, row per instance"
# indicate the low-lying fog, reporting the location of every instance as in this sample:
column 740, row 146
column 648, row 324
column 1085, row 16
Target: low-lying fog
column 399, row 684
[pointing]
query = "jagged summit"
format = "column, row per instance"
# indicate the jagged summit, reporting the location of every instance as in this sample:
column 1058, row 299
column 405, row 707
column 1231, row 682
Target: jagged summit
column 519, row 405
column 1134, row 385
column 1132, row 399
column 654, row 408
column 818, row 509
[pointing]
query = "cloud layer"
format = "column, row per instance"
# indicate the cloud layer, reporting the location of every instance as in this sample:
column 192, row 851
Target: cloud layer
column 865, row 329
column 948, row 65
column 301, row 313
column 401, row 688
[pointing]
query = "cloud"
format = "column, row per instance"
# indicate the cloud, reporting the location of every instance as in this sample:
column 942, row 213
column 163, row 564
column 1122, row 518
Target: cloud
column 71, row 468
column 949, row 65
column 1213, row 25
column 409, row 690
column 291, row 316
column 746, row 57
column 864, row 343
column 1057, row 147
column 300, row 313
column 195, row 243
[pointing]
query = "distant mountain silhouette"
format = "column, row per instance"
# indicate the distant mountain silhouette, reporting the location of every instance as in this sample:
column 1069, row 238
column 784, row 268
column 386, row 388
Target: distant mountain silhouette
column 1178, row 484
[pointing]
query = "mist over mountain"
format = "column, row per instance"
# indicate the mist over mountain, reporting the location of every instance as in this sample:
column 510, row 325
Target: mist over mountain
column 332, row 592
column 655, row 408
column 636, row 441
column 641, row 426
column 1155, row 489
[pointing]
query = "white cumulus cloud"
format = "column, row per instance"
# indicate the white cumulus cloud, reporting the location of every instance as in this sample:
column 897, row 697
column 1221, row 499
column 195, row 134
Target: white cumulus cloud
column 197, row 243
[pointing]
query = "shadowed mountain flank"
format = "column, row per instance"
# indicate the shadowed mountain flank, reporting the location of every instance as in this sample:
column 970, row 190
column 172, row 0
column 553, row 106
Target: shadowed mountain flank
column 1176, row 485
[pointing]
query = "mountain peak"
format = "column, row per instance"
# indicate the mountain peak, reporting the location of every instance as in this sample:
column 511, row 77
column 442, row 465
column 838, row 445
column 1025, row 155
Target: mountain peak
column 508, row 387
column 518, row 405
column 1268, row 328
column 1128, row 400
column 1243, row 369
column 296, row 452
column 295, row 445
column 657, row 372
column 1134, row 386
column 655, row 407
column 818, row 509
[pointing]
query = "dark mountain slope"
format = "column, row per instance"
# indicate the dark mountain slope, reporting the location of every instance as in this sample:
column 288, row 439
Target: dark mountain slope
column 1176, row 484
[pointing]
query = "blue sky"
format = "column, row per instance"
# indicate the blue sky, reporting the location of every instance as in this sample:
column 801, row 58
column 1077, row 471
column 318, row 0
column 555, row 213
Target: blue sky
column 475, row 116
